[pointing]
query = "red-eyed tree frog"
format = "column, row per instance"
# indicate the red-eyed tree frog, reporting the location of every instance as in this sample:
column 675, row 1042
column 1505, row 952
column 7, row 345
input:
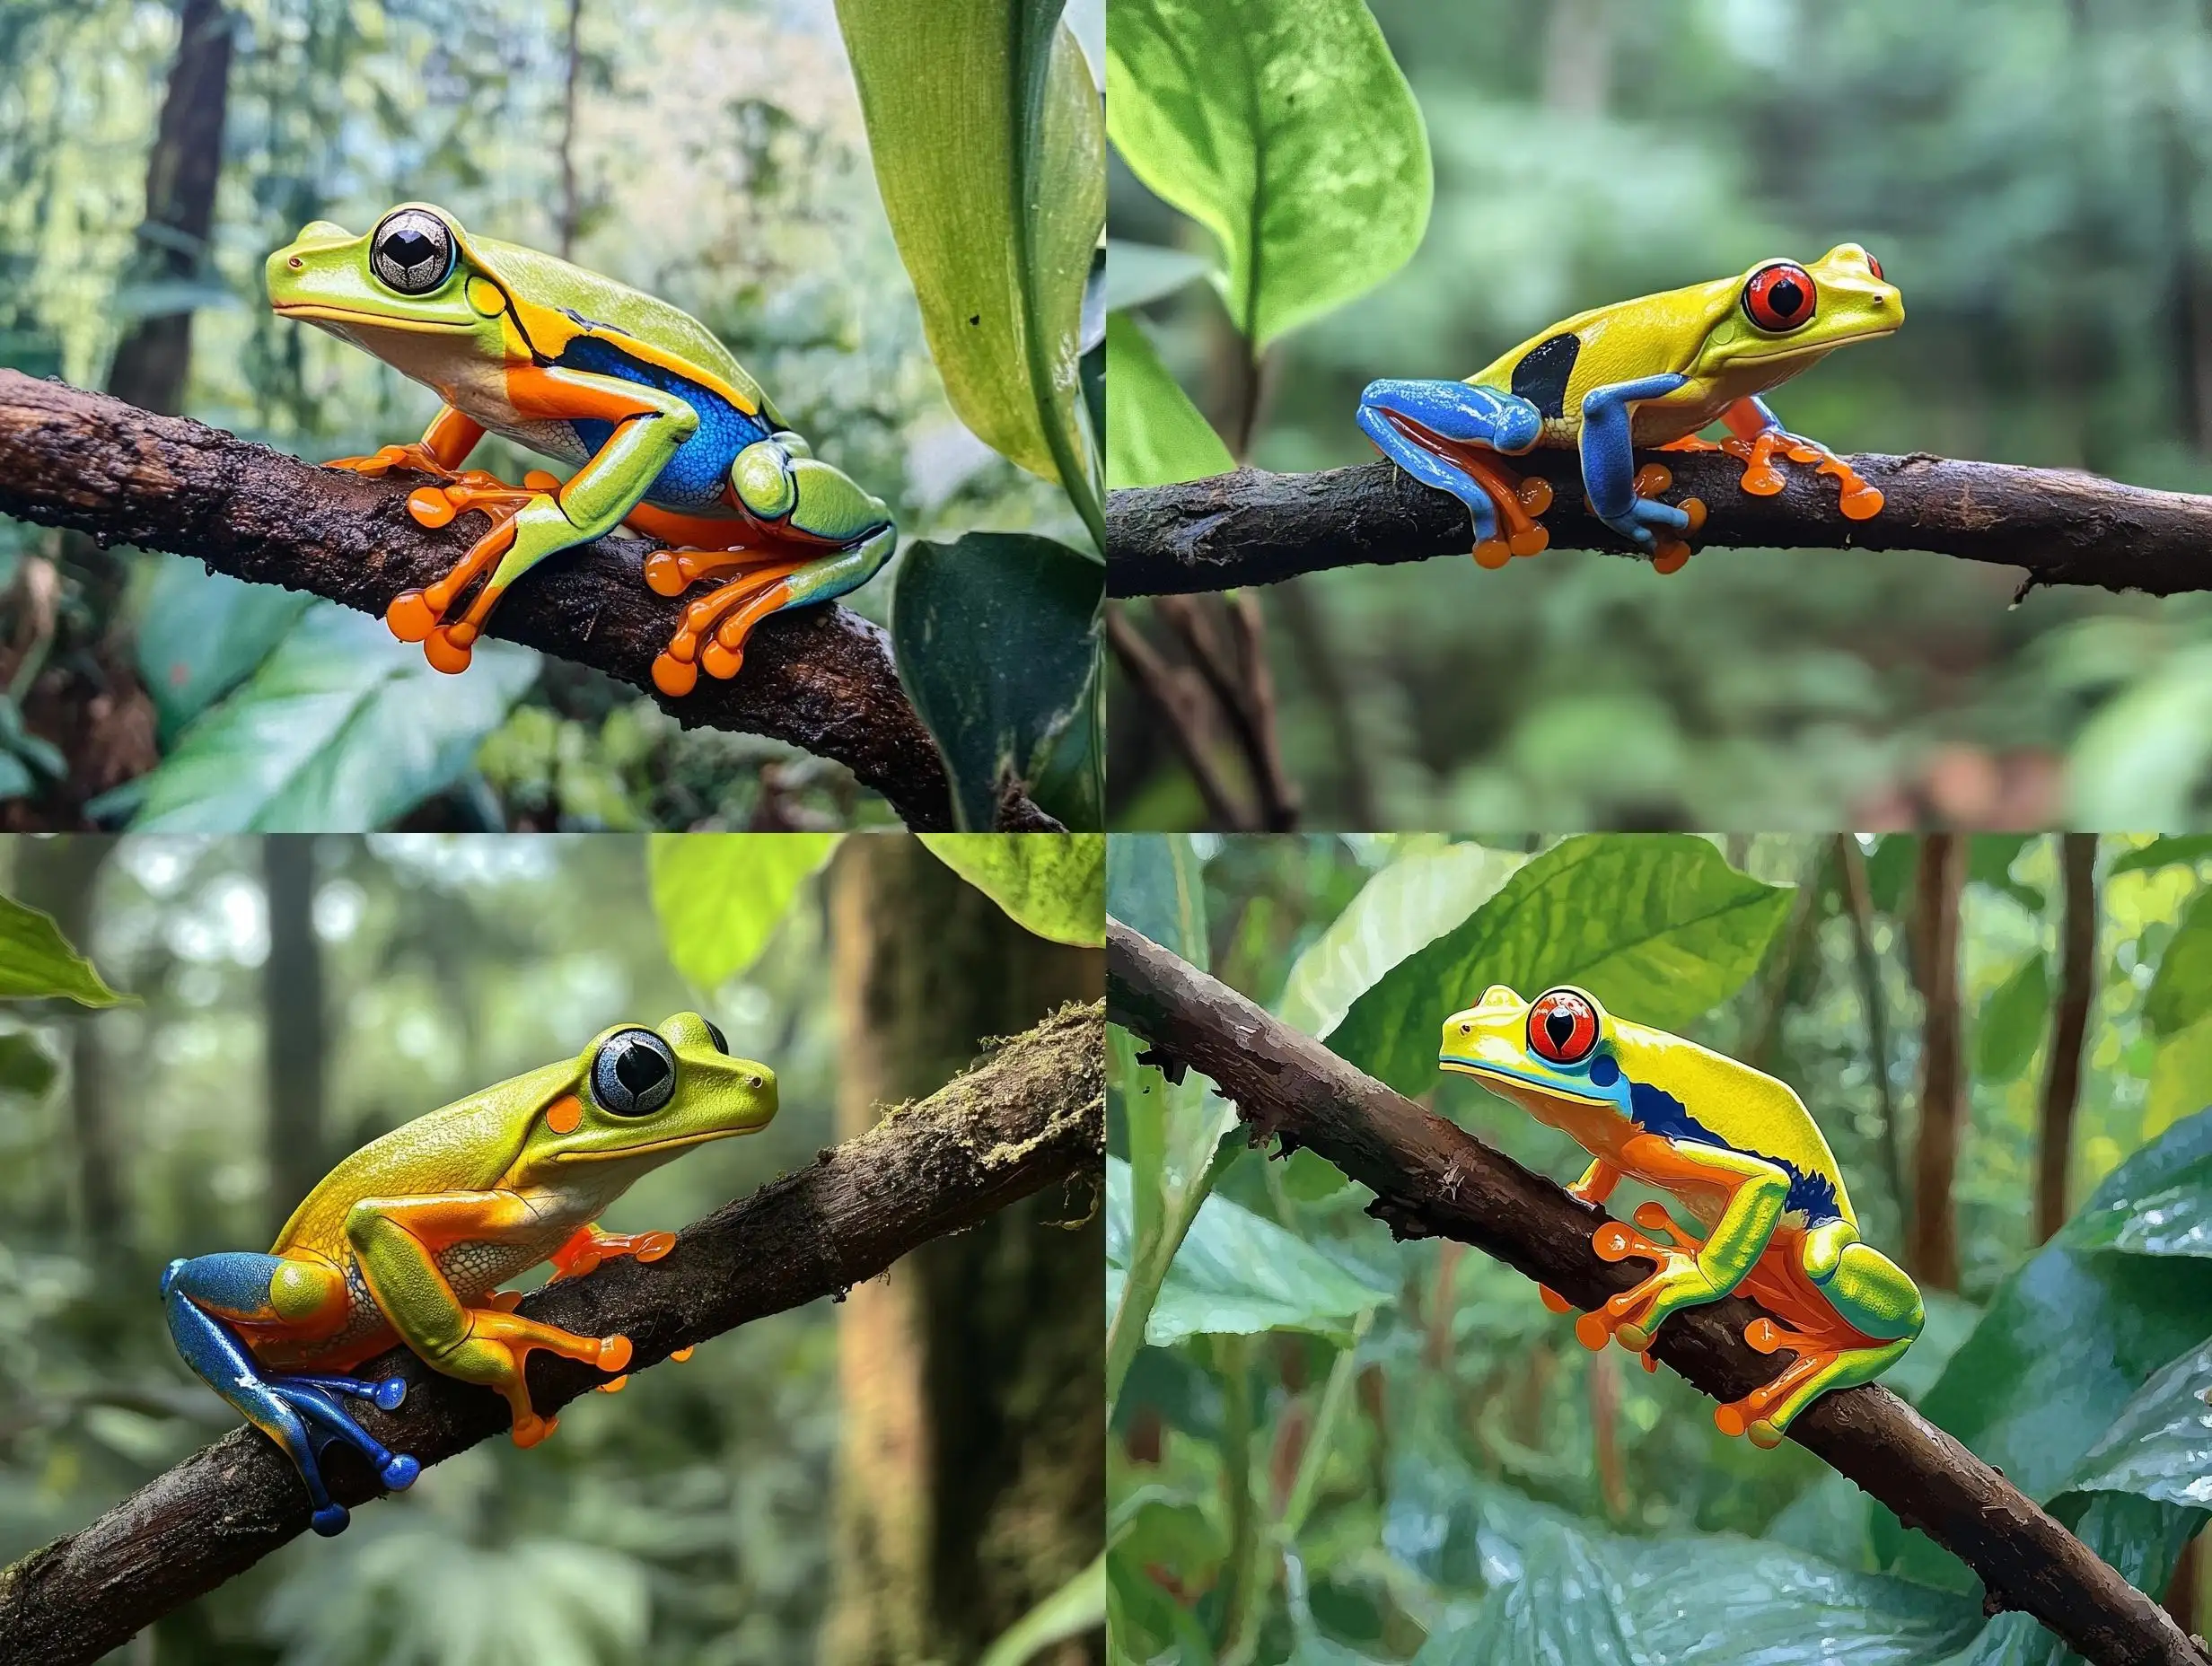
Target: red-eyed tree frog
column 410, row 1239
column 1652, row 373
column 674, row 437
column 1740, row 1155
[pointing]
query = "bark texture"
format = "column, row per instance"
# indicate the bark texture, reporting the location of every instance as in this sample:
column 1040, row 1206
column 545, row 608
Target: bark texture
column 973, row 1428
column 1433, row 1179
column 821, row 678
column 2060, row 527
column 1030, row 1115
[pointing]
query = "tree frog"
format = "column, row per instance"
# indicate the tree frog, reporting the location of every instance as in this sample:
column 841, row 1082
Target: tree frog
column 674, row 438
column 409, row 1238
column 1650, row 372
column 1740, row 1155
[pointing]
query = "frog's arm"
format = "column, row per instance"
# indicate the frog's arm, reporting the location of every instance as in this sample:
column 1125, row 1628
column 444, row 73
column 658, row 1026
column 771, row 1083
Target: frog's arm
column 396, row 1242
column 1609, row 472
column 444, row 446
column 1597, row 1181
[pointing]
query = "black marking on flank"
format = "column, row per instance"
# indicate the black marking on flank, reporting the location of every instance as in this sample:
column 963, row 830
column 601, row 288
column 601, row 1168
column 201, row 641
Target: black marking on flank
column 1541, row 376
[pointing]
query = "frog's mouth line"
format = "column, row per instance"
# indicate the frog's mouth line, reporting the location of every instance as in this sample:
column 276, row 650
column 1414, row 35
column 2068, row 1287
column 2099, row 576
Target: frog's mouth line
column 674, row 1140
column 1787, row 352
column 320, row 313
column 1495, row 1073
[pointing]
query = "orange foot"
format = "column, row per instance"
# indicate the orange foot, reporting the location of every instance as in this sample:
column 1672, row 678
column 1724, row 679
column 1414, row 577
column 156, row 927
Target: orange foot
column 1856, row 499
column 414, row 457
column 420, row 615
column 1815, row 1354
column 1626, row 1316
column 716, row 627
column 1669, row 555
column 588, row 1247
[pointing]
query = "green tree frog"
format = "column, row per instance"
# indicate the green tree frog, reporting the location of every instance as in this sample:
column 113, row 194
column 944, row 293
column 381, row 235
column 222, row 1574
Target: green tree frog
column 674, row 437
column 410, row 1239
column 1740, row 1155
column 1650, row 372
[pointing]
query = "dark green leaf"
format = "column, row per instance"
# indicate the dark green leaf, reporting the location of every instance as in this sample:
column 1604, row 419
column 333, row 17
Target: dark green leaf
column 2181, row 991
column 2176, row 849
column 201, row 634
column 25, row 1066
column 998, row 639
column 1155, row 887
column 1990, row 861
column 2012, row 1020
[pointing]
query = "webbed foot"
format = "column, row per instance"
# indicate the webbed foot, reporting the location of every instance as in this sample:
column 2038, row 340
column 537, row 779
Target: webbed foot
column 414, row 457
column 1755, row 434
column 1634, row 1315
column 527, row 524
column 589, row 1248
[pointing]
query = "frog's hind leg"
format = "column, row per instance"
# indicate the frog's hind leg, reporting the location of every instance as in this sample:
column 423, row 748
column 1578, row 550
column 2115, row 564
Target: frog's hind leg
column 1756, row 434
column 209, row 1297
column 1439, row 433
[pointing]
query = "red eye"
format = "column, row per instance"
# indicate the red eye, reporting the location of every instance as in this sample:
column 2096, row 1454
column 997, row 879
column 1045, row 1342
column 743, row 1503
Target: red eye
column 1874, row 266
column 1780, row 297
column 1563, row 1026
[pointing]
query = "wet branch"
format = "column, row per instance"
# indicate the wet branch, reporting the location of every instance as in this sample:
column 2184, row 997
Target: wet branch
column 821, row 678
column 1031, row 1114
column 2060, row 527
column 1433, row 1179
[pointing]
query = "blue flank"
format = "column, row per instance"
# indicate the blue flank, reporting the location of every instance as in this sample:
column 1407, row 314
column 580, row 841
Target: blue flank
column 694, row 476
column 1661, row 1113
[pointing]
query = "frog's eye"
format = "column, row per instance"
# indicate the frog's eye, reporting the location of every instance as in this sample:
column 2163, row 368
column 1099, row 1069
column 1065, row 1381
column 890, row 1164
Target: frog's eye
column 1563, row 1026
column 1874, row 266
column 1780, row 297
column 412, row 251
column 634, row 1073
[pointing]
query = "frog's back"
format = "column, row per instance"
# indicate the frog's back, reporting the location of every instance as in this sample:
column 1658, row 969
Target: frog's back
column 1555, row 371
column 1686, row 1092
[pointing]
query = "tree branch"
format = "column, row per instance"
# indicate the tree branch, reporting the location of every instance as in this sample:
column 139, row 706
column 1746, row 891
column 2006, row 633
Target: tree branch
column 1029, row 1115
column 1432, row 1178
column 2063, row 527
column 821, row 678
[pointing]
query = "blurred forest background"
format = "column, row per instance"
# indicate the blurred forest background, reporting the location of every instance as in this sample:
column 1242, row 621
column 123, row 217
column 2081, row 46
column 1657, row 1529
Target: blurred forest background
column 296, row 997
column 2034, row 176
column 711, row 152
column 1337, row 1448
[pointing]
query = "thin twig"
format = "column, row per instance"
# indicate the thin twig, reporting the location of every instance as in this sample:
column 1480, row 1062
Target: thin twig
column 2078, row 983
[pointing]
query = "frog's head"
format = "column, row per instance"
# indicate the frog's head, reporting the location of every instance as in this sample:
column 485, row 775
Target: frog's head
column 414, row 276
column 636, row 1097
column 1783, row 315
column 1557, row 1056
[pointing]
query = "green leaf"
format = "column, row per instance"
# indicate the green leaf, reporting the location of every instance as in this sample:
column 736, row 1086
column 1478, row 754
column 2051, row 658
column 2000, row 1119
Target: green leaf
column 1154, row 435
column 1658, row 927
column 721, row 896
column 201, row 634
column 36, row 961
column 2012, row 1020
column 997, row 642
column 2160, row 1445
column 1237, row 1273
column 1053, row 884
column 2173, row 849
column 25, row 1066
column 989, row 149
column 1285, row 128
column 1139, row 273
column 2138, row 1539
column 2180, row 1082
column 1989, row 862
column 1076, row 1607
column 341, row 728
column 1155, row 886
column 2180, row 992
column 1405, row 907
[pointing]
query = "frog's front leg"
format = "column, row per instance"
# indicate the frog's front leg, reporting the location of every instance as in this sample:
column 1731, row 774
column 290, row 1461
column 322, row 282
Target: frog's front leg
column 819, row 535
column 444, row 446
column 1863, row 1314
column 647, row 427
column 213, row 1302
column 397, row 1242
column 1756, row 435
column 1446, row 434
column 1757, row 1192
column 1623, row 496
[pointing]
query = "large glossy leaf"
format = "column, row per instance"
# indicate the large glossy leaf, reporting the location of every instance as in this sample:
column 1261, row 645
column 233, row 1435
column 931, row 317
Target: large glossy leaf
column 1285, row 128
column 997, row 640
column 1405, row 907
column 1561, row 1592
column 989, row 148
column 1154, row 435
column 341, row 729
column 2180, row 992
column 2160, row 1446
column 1236, row 1274
column 2012, row 1020
column 721, row 896
column 200, row 634
column 1053, row 884
column 1658, row 927
column 36, row 961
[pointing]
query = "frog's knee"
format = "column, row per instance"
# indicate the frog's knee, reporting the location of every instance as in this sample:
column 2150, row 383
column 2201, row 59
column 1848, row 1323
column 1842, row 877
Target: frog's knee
column 761, row 476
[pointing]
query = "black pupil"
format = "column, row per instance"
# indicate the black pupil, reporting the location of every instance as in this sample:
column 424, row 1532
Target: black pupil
column 640, row 1069
column 1559, row 1025
column 1785, row 298
column 409, row 248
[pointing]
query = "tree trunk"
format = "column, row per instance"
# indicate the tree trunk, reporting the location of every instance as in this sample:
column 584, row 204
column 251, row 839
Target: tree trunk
column 973, row 1421
column 292, row 1008
column 1940, row 882
column 61, row 876
column 2062, row 1081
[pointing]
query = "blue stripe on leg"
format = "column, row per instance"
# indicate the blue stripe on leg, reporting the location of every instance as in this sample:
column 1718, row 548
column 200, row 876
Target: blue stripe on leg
column 1454, row 410
column 1608, row 461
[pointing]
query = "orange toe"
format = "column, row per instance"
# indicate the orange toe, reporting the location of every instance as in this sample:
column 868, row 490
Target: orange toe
column 1553, row 1300
column 1671, row 555
column 614, row 1352
column 530, row 1431
column 448, row 651
column 665, row 574
column 681, row 1355
column 430, row 506
column 673, row 677
column 721, row 662
column 410, row 615
column 1493, row 553
column 614, row 1385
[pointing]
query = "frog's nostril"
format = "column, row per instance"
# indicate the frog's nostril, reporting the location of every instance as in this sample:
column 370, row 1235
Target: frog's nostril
column 752, row 1081
column 295, row 263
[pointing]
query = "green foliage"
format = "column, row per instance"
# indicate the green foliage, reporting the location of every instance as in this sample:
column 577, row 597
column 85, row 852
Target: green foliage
column 1154, row 435
column 1656, row 926
column 2181, row 991
column 37, row 962
column 721, row 896
column 2012, row 1020
column 1286, row 130
column 999, row 644
column 1076, row 1607
column 1053, row 884
column 201, row 634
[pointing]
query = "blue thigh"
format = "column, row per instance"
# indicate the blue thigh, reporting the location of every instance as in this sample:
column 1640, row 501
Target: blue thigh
column 1456, row 411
